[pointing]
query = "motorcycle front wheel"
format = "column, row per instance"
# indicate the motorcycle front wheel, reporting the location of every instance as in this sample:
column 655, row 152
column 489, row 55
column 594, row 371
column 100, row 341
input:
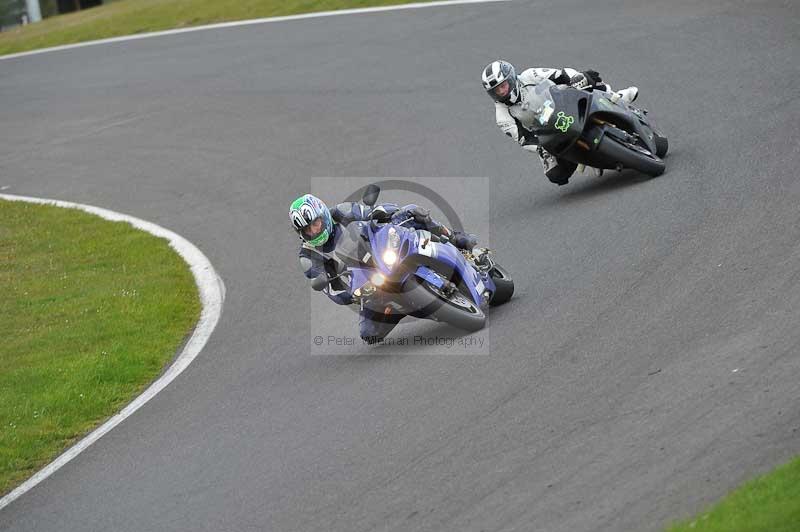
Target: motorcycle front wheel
column 429, row 302
column 631, row 156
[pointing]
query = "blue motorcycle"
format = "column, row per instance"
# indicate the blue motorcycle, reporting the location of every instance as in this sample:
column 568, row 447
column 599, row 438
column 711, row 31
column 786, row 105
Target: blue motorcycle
column 416, row 273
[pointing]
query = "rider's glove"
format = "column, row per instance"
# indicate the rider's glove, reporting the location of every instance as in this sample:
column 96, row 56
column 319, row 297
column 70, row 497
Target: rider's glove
column 579, row 81
column 593, row 77
column 463, row 240
column 420, row 215
column 586, row 79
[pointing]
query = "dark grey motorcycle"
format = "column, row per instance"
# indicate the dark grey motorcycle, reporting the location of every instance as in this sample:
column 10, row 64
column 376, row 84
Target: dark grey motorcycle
column 590, row 128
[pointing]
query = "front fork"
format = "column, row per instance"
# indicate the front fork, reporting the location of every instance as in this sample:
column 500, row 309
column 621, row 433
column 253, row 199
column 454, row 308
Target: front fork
column 485, row 288
column 607, row 128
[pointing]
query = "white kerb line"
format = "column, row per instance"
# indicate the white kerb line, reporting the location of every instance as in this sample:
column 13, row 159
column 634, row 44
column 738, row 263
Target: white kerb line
column 212, row 296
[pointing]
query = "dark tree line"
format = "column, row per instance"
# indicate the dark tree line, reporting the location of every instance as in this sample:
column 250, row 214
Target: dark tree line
column 11, row 11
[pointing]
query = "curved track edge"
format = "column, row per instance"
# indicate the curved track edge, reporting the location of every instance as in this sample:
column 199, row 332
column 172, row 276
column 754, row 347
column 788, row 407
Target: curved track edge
column 212, row 295
column 248, row 22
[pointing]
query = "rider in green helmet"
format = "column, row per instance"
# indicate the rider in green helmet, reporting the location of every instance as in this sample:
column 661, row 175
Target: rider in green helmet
column 319, row 228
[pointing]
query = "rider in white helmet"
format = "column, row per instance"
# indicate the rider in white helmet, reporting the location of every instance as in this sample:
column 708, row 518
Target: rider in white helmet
column 509, row 92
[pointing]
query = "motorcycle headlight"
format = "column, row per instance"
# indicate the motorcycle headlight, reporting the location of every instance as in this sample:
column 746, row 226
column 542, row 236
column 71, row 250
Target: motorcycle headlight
column 378, row 279
column 389, row 257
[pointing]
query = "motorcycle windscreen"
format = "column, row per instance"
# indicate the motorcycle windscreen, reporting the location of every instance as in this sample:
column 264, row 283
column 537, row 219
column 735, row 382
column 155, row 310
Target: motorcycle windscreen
column 352, row 248
column 536, row 108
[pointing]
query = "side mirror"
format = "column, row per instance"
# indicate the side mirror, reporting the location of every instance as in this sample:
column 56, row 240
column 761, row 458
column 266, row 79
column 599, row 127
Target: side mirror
column 320, row 282
column 370, row 196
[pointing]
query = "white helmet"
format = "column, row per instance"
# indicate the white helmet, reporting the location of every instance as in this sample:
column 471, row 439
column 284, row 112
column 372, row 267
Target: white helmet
column 500, row 82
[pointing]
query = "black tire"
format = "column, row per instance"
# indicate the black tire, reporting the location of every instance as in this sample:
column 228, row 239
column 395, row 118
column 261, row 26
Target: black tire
column 662, row 145
column 504, row 285
column 459, row 311
column 631, row 158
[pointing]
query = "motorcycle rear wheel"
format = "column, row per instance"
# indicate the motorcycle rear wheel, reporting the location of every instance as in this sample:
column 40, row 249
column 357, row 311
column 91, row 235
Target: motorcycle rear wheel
column 662, row 145
column 504, row 285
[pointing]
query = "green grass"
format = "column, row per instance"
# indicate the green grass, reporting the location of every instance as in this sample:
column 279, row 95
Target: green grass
column 770, row 503
column 127, row 17
column 90, row 312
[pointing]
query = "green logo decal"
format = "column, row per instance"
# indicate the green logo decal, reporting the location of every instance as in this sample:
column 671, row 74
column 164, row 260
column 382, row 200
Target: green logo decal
column 563, row 121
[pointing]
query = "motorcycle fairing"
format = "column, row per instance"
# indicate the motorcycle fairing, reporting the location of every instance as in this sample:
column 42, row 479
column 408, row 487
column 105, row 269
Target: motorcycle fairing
column 416, row 252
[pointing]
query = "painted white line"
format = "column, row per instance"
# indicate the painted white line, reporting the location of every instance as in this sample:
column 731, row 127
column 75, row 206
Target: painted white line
column 212, row 295
column 251, row 22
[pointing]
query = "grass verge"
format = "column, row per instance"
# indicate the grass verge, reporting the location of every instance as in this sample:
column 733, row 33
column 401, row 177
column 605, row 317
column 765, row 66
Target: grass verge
column 770, row 503
column 90, row 312
column 128, row 17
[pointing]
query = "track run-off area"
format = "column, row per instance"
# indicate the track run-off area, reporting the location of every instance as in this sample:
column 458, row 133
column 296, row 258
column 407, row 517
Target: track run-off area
column 646, row 366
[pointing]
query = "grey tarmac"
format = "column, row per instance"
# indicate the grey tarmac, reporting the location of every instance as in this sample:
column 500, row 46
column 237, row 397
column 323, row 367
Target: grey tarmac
column 646, row 366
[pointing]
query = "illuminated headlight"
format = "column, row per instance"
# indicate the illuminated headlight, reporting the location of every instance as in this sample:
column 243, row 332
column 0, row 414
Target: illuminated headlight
column 378, row 279
column 389, row 257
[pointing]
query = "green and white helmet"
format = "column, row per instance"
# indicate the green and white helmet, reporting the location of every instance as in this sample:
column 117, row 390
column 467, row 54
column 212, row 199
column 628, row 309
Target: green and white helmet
column 311, row 219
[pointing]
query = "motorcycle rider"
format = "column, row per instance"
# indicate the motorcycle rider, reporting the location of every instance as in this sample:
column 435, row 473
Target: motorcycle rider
column 320, row 229
column 510, row 93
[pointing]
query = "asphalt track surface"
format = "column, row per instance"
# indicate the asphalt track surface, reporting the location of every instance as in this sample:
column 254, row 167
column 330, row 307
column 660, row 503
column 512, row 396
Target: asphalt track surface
column 647, row 365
